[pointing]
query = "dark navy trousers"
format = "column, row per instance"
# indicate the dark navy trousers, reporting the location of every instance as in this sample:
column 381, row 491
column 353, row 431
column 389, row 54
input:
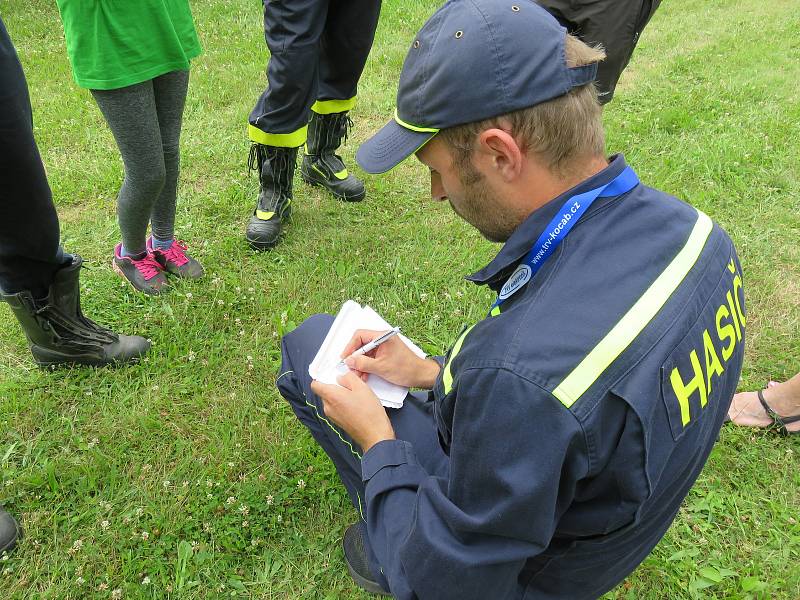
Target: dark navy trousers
column 30, row 253
column 413, row 422
column 318, row 49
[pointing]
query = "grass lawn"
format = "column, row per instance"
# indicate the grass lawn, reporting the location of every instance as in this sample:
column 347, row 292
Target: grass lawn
column 189, row 472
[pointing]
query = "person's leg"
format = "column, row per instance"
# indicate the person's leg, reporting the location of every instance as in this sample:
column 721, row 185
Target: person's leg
column 298, row 349
column 614, row 24
column 37, row 280
column 278, row 122
column 132, row 117
column 345, row 46
column 169, row 91
column 30, row 253
column 413, row 422
column 783, row 398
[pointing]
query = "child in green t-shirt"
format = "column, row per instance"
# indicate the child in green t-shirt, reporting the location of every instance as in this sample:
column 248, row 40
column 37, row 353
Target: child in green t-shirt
column 134, row 57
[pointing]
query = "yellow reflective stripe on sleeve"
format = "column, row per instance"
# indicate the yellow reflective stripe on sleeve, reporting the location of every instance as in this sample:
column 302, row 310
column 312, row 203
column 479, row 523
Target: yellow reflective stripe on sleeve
column 413, row 127
column 341, row 174
column 281, row 140
column 637, row 317
column 328, row 107
column 447, row 376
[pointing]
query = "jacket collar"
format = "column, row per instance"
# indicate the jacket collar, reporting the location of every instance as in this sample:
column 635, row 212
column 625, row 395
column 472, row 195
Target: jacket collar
column 524, row 236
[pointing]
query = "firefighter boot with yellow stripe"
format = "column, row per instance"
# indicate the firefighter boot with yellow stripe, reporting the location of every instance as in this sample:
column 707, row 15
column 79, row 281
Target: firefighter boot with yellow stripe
column 275, row 166
column 321, row 165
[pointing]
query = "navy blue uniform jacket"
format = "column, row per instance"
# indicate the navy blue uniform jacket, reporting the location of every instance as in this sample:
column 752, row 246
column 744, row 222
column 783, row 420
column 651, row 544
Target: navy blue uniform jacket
column 577, row 419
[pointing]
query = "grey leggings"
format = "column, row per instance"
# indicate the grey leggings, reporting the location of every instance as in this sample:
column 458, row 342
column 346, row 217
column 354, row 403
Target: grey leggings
column 145, row 119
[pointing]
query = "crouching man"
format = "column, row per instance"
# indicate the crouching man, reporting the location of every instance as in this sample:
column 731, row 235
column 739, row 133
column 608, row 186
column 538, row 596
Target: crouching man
column 561, row 432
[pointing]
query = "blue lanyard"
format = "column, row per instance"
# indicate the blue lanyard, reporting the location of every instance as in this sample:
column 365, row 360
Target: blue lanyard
column 557, row 229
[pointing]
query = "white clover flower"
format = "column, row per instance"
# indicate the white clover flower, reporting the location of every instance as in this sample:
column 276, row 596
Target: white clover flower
column 230, row 500
column 301, row 484
column 105, row 524
column 145, row 535
column 146, row 580
column 139, row 512
column 245, row 523
column 189, row 295
column 269, row 500
column 116, row 594
column 167, row 483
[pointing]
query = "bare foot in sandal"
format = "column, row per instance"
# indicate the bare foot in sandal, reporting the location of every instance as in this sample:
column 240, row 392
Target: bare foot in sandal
column 782, row 398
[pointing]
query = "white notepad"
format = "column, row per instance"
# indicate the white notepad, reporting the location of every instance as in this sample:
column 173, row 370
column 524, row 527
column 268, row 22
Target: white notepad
column 325, row 366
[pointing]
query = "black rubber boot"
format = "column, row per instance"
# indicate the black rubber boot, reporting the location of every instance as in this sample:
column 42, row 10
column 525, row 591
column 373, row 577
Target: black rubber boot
column 10, row 532
column 276, row 170
column 321, row 166
column 59, row 334
column 355, row 555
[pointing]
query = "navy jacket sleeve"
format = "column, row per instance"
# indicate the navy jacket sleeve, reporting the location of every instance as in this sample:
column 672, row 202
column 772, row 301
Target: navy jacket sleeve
column 515, row 457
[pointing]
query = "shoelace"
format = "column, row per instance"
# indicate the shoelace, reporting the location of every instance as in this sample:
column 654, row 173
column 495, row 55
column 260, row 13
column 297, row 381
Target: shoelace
column 147, row 266
column 176, row 253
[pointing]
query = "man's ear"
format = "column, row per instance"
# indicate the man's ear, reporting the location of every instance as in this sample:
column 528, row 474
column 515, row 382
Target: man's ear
column 500, row 152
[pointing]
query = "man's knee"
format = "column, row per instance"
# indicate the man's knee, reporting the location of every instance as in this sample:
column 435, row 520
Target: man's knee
column 305, row 339
column 298, row 348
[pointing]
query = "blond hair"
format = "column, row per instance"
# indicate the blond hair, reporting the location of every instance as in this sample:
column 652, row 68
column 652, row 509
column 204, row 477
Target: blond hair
column 558, row 131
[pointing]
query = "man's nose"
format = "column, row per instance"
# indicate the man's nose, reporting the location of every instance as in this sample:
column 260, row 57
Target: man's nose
column 437, row 189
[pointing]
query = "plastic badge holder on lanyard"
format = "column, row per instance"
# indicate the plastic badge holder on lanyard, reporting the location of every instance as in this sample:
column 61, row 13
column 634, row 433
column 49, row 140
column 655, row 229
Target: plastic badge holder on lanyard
column 557, row 229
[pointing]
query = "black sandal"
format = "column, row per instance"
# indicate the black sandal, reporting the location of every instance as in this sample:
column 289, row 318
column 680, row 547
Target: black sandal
column 780, row 422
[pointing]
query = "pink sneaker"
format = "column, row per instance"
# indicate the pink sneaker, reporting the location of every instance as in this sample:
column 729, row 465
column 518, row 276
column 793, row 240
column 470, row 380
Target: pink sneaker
column 144, row 274
column 175, row 261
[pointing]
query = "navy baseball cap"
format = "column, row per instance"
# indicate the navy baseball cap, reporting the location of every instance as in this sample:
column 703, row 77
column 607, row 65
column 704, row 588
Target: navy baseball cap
column 473, row 60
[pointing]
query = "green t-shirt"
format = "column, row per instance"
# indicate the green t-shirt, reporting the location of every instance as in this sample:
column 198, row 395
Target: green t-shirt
column 116, row 43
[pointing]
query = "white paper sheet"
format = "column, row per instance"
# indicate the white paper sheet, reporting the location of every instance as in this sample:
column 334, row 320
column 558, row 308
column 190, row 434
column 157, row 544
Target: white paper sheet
column 351, row 317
